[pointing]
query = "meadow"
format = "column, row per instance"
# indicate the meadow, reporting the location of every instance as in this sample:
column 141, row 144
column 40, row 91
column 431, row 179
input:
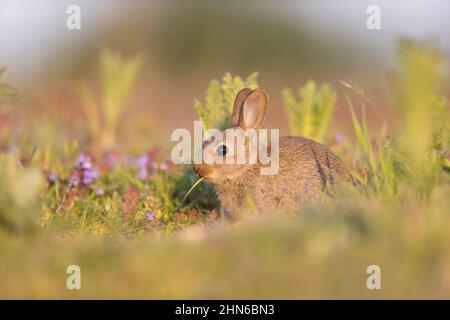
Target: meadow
column 124, row 219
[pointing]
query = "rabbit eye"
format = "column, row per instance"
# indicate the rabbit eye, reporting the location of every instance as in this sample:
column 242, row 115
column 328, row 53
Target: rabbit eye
column 222, row 150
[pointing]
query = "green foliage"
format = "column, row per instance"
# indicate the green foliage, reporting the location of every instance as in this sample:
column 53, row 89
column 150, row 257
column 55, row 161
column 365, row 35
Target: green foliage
column 418, row 81
column 416, row 156
column 399, row 221
column 7, row 93
column 118, row 76
column 323, row 253
column 440, row 144
column 310, row 114
column 216, row 111
column 381, row 160
column 19, row 188
column 121, row 208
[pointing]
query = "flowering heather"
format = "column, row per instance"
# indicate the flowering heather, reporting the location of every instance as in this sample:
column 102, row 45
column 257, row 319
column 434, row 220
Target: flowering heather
column 52, row 177
column 74, row 181
column 111, row 159
column 100, row 192
column 143, row 173
column 86, row 171
column 143, row 162
column 84, row 162
column 90, row 175
column 164, row 167
column 150, row 216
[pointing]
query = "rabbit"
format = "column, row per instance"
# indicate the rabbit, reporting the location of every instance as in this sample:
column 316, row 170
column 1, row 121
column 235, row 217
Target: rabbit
column 306, row 167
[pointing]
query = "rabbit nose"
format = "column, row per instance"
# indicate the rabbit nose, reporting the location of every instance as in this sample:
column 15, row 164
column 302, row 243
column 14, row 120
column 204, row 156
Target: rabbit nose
column 201, row 170
column 195, row 169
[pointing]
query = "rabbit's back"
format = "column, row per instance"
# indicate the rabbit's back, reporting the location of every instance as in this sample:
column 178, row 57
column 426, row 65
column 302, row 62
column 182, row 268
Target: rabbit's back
column 306, row 158
column 306, row 170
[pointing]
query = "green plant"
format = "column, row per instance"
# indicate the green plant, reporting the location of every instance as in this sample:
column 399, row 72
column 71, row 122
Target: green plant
column 10, row 96
column 118, row 76
column 395, row 225
column 216, row 111
column 19, row 189
column 380, row 159
column 310, row 114
column 417, row 154
column 418, row 82
column 7, row 93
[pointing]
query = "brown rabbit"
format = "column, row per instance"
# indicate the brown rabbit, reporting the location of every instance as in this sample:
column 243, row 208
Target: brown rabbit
column 306, row 168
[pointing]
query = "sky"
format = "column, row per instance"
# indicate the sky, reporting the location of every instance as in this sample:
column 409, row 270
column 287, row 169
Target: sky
column 31, row 31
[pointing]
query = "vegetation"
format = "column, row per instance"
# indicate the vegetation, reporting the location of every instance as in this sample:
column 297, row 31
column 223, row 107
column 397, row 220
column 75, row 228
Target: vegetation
column 118, row 77
column 123, row 220
column 310, row 115
column 218, row 107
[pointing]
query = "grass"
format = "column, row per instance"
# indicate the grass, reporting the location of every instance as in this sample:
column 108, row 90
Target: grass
column 134, row 229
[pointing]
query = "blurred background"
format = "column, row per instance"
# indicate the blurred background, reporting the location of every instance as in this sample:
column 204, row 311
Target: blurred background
column 86, row 118
column 185, row 44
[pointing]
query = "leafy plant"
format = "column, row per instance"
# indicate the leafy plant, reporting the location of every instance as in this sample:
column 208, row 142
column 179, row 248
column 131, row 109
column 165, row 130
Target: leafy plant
column 216, row 111
column 310, row 114
column 118, row 76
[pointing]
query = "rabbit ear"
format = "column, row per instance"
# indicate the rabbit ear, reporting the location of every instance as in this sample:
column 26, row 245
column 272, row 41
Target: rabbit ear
column 237, row 106
column 254, row 110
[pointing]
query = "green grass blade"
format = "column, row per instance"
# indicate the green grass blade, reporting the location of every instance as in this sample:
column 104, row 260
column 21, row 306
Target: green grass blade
column 193, row 186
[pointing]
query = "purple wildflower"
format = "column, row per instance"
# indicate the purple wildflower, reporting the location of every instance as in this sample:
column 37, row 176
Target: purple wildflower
column 150, row 216
column 52, row 177
column 74, row 181
column 100, row 192
column 91, row 173
column 164, row 166
column 83, row 161
column 143, row 173
column 143, row 160
column 88, row 173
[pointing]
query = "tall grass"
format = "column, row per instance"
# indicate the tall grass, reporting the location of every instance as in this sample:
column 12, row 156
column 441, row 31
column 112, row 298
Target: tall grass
column 414, row 156
column 381, row 161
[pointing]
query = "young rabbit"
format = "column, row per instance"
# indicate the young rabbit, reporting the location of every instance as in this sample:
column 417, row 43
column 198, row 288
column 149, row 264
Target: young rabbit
column 306, row 168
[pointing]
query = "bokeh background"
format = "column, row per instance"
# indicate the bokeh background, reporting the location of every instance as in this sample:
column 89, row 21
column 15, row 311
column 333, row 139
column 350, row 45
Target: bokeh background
column 188, row 43
column 79, row 186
